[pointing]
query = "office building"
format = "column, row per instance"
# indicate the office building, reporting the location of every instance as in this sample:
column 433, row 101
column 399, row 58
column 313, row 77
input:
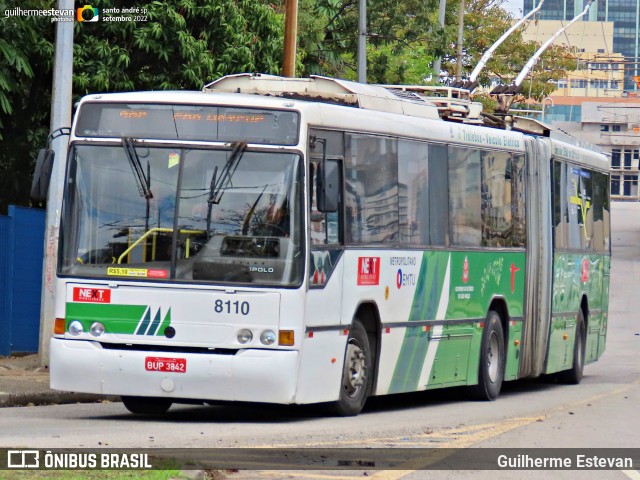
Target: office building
column 625, row 15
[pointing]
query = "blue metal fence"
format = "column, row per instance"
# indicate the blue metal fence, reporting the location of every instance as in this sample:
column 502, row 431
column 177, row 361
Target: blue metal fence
column 21, row 255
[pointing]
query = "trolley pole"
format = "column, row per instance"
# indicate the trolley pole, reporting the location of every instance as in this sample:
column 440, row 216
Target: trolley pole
column 290, row 36
column 60, row 117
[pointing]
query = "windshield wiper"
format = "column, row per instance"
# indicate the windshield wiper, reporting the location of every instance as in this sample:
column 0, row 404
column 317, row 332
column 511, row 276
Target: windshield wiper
column 142, row 180
column 218, row 185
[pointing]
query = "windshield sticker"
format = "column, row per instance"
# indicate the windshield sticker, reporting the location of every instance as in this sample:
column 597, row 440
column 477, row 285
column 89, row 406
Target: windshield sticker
column 174, row 159
column 137, row 272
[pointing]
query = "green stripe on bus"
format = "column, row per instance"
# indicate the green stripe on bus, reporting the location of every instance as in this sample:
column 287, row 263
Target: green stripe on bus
column 142, row 328
column 116, row 318
column 416, row 341
column 165, row 323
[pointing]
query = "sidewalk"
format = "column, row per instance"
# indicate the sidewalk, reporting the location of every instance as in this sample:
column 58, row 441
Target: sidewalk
column 23, row 382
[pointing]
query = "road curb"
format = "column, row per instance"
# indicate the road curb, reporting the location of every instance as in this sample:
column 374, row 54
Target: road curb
column 50, row 398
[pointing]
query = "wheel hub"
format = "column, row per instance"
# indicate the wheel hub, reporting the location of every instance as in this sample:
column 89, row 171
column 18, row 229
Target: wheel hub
column 355, row 373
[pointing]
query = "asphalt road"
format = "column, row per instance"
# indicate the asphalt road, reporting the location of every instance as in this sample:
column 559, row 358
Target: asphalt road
column 603, row 411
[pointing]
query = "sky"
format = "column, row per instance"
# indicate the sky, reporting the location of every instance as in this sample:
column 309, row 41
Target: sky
column 514, row 7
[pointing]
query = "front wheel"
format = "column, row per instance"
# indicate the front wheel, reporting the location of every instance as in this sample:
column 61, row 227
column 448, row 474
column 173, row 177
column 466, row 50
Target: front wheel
column 356, row 380
column 573, row 376
column 492, row 360
column 146, row 405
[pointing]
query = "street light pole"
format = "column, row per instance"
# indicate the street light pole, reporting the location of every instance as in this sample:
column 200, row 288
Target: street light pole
column 362, row 41
column 460, row 39
column 437, row 63
column 545, row 99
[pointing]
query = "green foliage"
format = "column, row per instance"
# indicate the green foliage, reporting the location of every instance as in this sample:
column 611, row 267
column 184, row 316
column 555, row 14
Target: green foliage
column 26, row 59
column 405, row 37
column 402, row 37
column 182, row 45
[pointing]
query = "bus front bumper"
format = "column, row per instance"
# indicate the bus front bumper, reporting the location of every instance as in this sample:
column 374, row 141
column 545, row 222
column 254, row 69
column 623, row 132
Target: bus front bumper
column 250, row 375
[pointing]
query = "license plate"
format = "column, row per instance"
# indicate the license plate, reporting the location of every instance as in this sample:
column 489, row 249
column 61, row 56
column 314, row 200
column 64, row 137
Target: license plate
column 165, row 364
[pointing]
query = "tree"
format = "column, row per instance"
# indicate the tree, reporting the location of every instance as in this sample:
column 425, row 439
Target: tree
column 402, row 37
column 183, row 44
column 26, row 59
column 405, row 38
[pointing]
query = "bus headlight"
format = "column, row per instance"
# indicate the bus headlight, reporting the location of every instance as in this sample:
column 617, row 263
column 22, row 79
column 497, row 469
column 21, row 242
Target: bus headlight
column 97, row 329
column 268, row 337
column 244, row 336
column 76, row 328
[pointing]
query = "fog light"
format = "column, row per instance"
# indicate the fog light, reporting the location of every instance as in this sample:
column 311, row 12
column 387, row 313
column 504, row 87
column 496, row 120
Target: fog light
column 244, row 336
column 96, row 329
column 268, row 337
column 75, row 328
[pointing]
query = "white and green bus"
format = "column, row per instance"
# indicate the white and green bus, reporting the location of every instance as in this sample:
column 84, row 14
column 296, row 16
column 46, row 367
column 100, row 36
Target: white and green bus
column 302, row 241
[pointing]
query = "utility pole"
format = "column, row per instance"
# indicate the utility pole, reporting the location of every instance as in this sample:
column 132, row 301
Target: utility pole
column 460, row 38
column 437, row 63
column 290, row 37
column 362, row 41
column 60, row 117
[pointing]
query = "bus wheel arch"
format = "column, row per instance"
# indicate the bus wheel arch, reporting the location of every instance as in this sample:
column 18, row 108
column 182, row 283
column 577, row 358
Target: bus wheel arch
column 360, row 364
column 573, row 376
column 367, row 313
column 492, row 361
column 584, row 306
column 499, row 305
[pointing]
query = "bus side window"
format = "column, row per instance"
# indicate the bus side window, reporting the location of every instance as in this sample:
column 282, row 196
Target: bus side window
column 325, row 227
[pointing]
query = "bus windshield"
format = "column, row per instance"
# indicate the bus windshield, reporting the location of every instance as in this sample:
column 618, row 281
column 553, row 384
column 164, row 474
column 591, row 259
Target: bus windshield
column 225, row 216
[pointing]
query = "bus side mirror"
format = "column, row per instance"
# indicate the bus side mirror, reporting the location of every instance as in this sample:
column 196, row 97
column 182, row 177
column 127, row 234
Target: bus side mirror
column 328, row 186
column 42, row 175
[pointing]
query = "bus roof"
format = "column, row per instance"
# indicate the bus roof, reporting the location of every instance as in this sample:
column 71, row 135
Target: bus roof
column 328, row 103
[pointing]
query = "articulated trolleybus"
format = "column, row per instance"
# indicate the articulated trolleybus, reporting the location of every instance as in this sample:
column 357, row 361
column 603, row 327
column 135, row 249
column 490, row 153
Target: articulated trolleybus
column 321, row 241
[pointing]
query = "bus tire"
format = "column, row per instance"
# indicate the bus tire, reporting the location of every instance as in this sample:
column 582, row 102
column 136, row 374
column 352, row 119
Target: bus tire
column 146, row 405
column 355, row 386
column 573, row 376
column 492, row 360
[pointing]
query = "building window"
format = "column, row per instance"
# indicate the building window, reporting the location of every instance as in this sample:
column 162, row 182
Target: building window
column 615, row 184
column 615, row 128
column 615, row 158
column 604, row 128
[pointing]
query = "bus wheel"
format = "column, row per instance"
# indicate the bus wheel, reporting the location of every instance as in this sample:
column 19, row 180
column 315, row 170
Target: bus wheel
column 492, row 360
column 574, row 374
column 146, row 405
column 356, row 383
